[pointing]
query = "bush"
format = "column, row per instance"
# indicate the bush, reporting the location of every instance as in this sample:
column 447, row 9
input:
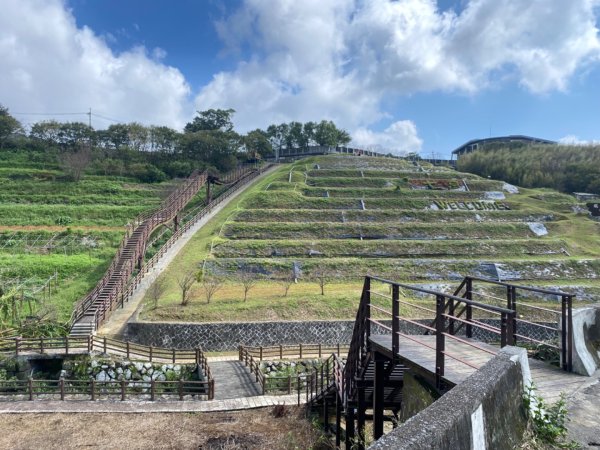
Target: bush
column 147, row 173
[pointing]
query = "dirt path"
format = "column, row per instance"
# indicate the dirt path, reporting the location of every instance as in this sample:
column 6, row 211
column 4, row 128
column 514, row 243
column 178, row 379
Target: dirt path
column 116, row 324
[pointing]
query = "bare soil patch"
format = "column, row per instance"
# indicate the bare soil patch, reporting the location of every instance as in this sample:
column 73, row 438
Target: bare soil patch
column 255, row 429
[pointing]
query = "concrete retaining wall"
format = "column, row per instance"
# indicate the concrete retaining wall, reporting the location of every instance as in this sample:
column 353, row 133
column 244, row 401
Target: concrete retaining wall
column 484, row 412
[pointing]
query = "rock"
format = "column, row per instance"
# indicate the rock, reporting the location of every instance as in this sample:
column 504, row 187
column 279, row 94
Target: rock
column 94, row 364
column 148, row 365
column 111, row 373
column 102, row 376
column 538, row 228
column 119, row 370
column 478, row 218
column 104, row 366
column 146, row 378
column 434, row 207
column 510, row 188
column 161, row 377
column 494, row 195
column 177, row 368
column 138, row 366
column 150, row 371
column 127, row 374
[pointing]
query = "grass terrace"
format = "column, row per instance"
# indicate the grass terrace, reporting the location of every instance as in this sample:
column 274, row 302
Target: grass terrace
column 336, row 218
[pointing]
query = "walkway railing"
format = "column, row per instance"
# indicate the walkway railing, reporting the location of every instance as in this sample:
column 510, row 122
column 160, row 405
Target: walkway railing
column 562, row 332
column 116, row 286
column 63, row 389
column 306, row 385
column 243, row 178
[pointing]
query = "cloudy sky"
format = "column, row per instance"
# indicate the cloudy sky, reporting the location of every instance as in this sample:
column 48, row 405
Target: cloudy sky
column 404, row 75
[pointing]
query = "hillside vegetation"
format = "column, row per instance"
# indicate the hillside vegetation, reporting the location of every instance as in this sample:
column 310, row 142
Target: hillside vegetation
column 330, row 220
column 563, row 167
column 58, row 236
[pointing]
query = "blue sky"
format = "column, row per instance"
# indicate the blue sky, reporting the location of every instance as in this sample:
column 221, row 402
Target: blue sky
column 408, row 75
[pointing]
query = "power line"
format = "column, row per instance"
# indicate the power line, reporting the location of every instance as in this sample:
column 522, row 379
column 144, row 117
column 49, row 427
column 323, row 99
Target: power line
column 50, row 114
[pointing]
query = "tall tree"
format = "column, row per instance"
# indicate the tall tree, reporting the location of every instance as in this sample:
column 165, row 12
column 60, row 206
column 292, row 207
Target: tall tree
column 211, row 120
column 8, row 125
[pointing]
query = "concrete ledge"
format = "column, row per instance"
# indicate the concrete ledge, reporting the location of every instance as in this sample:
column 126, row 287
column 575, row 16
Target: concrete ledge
column 586, row 340
column 485, row 411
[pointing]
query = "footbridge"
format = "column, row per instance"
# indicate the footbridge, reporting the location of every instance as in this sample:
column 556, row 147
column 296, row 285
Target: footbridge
column 466, row 330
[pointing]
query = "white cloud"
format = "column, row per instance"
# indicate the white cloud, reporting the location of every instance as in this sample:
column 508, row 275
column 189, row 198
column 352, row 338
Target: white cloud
column 344, row 59
column 399, row 138
column 51, row 65
column 574, row 140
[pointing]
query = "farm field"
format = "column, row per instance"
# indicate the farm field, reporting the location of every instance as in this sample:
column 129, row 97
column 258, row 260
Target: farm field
column 57, row 237
column 330, row 220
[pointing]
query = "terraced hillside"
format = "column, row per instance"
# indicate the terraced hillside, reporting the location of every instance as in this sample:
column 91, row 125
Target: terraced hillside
column 57, row 236
column 340, row 217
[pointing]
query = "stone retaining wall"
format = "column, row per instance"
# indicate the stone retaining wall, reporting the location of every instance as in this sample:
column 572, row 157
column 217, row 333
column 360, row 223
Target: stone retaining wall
column 485, row 411
column 228, row 336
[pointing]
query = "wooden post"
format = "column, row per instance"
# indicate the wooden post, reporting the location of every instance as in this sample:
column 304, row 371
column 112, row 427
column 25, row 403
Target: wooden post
column 174, row 356
column 30, row 385
column 350, row 427
column 338, row 421
column 61, row 384
column 320, row 351
column 41, row 345
column 104, row 345
column 280, row 351
column 289, row 384
column 440, row 342
column 127, row 348
column 395, row 320
column 67, row 344
column 378, row 395
column 17, row 342
column 211, row 390
column 89, row 343
column 93, row 383
column 300, row 351
column 261, row 353
column 180, row 389
column 122, row 390
column 298, row 388
column 503, row 329
column 150, row 351
column 361, row 417
column 152, row 389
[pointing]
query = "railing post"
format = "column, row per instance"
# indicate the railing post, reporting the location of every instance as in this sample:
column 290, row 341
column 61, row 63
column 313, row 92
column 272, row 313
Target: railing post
column 30, row 385
column 93, row 387
column 152, row 389
column 127, row 348
column 67, row 345
column 104, row 345
column 174, row 356
column 150, row 353
column 511, row 294
column 280, row 351
column 61, row 384
column 440, row 342
column 17, row 343
column 298, row 388
column 367, row 306
column 503, row 329
column 41, row 345
column 300, row 351
column 451, row 313
column 570, row 333
column 123, row 390
column 320, row 351
column 181, row 389
column 395, row 320
column 260, row 357
column 289, row 384
column 89, row 343
column 211, row 390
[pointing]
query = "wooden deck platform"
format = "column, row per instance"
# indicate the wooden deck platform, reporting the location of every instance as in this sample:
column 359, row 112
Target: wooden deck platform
column 549, row 380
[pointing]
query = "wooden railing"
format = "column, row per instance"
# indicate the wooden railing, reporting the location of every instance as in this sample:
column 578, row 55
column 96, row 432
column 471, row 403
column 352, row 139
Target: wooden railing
column 563, row 330
column 70, row 345
column 136, row 239
column 305, row 385
column 64, row 389
column 243, row 178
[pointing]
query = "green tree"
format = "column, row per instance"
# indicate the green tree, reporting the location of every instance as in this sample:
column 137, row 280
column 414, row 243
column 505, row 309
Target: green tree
column 8, row 126
column 211, row 120
column 257, row 144
column 326, row 133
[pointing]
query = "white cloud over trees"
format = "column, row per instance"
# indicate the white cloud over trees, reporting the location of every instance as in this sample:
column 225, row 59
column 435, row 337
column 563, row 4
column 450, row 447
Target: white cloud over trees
column 344, row 60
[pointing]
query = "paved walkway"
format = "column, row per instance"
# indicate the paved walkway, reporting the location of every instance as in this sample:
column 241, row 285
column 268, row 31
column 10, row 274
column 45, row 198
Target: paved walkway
column 584, row 412
column 233, row 380
column 116, row 324
column 134, row 407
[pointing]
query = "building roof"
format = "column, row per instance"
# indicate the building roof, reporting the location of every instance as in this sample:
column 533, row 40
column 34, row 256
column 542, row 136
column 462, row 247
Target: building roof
column 511, row 138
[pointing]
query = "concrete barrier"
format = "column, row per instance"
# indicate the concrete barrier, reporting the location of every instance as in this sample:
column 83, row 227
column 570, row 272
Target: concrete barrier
column 486, row 411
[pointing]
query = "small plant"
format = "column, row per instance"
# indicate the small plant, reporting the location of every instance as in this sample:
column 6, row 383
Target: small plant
column 548, row 421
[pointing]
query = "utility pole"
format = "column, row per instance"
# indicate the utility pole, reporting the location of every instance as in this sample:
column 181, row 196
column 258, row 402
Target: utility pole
column 90, row 118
